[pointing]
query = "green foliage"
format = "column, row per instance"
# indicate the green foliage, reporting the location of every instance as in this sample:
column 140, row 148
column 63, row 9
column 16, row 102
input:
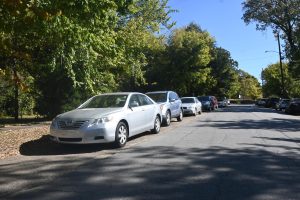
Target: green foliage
column 249, row 86
column 189, row 54
column 225, row 71
column 272, row 81
column 78, row 48
column 280, row 15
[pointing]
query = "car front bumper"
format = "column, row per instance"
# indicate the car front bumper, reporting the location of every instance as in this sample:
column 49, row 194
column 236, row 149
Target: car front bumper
column 188, row 111
column 103, row 133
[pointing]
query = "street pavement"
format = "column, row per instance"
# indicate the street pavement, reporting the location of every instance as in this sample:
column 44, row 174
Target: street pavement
column 239, row 152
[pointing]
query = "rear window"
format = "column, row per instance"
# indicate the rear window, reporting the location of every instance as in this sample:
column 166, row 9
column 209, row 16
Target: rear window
column 158, row 97
column 188, row 100
column 204, row 98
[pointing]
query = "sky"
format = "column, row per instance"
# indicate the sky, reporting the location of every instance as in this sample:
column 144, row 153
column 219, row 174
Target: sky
column 222, row 19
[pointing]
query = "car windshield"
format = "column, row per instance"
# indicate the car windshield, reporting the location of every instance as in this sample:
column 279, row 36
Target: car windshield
column 188, row 100
column 106, row 101
column 158, row 97
column 204, row 98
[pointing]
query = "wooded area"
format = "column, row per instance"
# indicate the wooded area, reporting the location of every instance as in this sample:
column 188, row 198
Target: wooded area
column 54, row 54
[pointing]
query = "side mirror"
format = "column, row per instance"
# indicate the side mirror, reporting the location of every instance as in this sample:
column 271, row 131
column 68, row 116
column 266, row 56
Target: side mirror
column 172, row 100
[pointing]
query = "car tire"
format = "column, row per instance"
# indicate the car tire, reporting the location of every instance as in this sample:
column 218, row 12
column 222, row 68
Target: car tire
column 196, row 112
column 180, row 116
column 121, row 135
column 157, row 125
column 167, row 120
column 200, row 111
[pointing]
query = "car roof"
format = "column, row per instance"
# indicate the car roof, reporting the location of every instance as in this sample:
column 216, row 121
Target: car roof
column 187, row 97
column 119, row 93
column 159, row 91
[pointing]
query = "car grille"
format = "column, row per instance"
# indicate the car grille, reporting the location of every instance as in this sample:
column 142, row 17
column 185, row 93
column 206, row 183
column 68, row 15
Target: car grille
column 70, row 125
column 184, row 107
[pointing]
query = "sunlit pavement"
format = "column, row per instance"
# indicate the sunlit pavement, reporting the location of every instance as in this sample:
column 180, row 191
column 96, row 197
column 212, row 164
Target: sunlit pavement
column 239, row 152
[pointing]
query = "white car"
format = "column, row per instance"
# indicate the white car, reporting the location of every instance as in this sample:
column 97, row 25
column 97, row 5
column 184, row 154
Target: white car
column 191, row 105
column 112, row 117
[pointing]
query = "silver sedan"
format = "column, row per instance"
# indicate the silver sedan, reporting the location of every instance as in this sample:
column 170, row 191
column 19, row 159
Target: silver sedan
column 107, row 118
column 191, row 105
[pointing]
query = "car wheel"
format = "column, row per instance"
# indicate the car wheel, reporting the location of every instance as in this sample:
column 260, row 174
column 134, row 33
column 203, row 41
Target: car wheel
column 167, row 121
column 157, row 124
column 180, row 117
column 121, row 135
column 195, row 112
column 200, row 111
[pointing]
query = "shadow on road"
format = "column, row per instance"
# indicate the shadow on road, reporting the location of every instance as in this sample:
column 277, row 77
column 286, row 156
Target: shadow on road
column 248, row 109
column 160, row 173
column 277, row 124
column 44, row 146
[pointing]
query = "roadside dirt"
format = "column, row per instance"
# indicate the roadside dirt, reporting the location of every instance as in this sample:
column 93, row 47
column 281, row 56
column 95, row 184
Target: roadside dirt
column 12, row 137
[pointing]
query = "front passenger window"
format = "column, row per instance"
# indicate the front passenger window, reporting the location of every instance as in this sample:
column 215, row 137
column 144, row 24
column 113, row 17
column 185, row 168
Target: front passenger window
column 134, row 101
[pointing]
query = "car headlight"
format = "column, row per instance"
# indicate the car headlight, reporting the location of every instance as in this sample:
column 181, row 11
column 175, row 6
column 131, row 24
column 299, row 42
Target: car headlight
column 53, row 123
column 161, row 107
column 102, row 120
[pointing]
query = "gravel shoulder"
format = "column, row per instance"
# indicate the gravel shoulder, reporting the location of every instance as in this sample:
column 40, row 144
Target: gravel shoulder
column 12, row 137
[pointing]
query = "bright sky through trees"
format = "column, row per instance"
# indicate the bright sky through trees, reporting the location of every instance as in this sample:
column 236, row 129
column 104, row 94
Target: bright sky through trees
column 222, row 19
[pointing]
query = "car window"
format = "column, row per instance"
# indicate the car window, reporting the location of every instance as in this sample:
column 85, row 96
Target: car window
column 203, row 98
column 158, row 97
column 144, row 100
column 188, row 100
column 105, row 101
column 134, row 100
column 173, row 96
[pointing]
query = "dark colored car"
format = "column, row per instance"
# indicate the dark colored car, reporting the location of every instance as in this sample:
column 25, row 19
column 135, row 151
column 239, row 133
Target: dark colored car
column 282, row 104
column 261, row 102
column 293, row 107
column 209, row 103
column 271, row 102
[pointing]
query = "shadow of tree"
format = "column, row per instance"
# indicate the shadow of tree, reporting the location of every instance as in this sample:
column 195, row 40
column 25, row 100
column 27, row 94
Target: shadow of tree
column 278, row 124
column 157, row 173
column 44, row 146
column 248, row 109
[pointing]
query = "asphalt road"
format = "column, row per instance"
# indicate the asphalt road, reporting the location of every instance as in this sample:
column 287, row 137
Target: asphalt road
column 241, row 152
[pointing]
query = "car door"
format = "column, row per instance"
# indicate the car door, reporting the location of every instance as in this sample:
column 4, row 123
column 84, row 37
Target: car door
column 172, row 100
column 135, row 116
column 148, row 111
column 177, row 104
column 198, row 104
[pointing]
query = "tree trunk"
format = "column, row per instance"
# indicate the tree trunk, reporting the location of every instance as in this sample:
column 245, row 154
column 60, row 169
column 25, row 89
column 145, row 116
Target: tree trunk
column 16, row 95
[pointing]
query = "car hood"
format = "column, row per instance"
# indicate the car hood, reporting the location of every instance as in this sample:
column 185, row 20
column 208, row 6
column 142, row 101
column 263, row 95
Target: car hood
column 89, row 113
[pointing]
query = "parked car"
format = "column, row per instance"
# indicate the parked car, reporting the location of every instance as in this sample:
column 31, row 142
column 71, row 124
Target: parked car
column 282, row 104
column 293, row 107
column 191, row 105
column 223, row 102
column 170, row 105
column 271, row 102
column 209, row 103
column 112, row 117
column 261, row 102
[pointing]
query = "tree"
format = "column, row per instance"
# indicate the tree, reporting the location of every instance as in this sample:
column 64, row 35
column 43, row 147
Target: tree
column 189, row 52
column 272, row 81
column 78, row 48
column 281, row 15
column 225, row 72
column 249, row 86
